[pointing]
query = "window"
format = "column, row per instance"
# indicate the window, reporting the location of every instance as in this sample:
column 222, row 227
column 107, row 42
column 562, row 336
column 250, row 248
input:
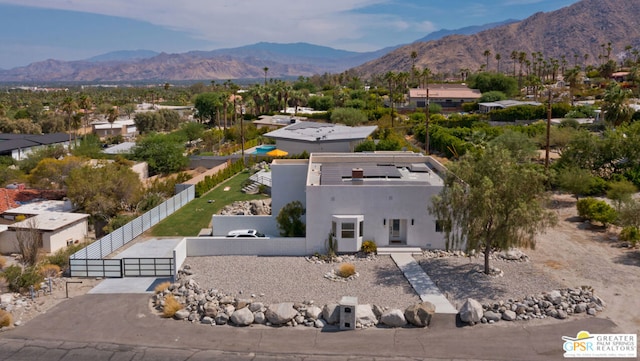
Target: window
column 361, row 229
column 443, row 225
column 348, row 230
column 333, row 228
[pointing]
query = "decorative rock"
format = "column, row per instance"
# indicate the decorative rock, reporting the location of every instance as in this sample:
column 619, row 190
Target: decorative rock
column 259, row 318
column 313, row 312
column 331, row 313
column 242, row 317
column 562, row 314
column 555, row 297
column 580, row 307
column 320, row 323
column 181, row 314
column 211, row 309
column 256, row 306
column 281, row 313
column 222, row 319
column 509, row 315
column 6, row 298
column 393, row 318
column 492, row 316
column 420, row 314
column 378, row 310
column 591, row 312
column 365, row 316
column 242, row 302
column 471, row 311
column 207, row 320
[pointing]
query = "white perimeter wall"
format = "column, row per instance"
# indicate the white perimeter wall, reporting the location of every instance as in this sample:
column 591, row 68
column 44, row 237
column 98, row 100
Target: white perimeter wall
column 375, row 203
column 288, row 183
column 222, row 246
column 179, row 255
column 223, row 224
column 297, row 147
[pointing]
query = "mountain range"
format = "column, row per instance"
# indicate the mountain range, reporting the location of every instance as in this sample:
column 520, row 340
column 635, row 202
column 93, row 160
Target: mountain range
column 582, row 28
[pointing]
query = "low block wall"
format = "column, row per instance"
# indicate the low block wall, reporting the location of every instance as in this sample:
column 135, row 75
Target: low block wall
column 223, row 246
column 179, row 255
column 223, row 224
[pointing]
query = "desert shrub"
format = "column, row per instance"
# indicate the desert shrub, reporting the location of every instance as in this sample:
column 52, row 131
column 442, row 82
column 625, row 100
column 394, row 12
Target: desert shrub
column 630, row 234
column 171, row 306
column 346, row 270
column 3, row 262
column 332, row 245
column 61, row 257
column 369, row 247
column 592, row 209
column 289, row 220
column 19, row 280
column 5, row 319
column 162, row 287
column 49, row 270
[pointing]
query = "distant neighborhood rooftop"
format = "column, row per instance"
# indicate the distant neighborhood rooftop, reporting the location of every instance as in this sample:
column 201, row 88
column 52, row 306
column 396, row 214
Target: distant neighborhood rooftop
column 446, row 91
column 317, row 132
column 9, row 142
column 49, row 221
column 502, row 104
column 38, row 207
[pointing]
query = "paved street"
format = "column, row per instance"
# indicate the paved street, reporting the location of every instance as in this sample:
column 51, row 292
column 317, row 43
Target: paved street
column 122, row 327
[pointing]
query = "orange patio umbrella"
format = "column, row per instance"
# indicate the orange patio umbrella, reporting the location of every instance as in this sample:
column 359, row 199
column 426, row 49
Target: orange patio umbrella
column 277, row 153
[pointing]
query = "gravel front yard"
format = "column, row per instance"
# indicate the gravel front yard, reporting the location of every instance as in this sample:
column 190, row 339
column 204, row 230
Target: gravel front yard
column 294, row 279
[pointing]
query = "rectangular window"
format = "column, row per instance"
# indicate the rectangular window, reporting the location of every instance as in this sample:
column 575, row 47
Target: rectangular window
column 333, row 228
column 361, row 229
column 348, row 230
column 443, row 226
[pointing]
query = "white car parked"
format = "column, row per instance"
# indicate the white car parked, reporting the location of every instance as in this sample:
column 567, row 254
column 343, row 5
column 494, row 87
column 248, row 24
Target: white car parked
column 245, row 233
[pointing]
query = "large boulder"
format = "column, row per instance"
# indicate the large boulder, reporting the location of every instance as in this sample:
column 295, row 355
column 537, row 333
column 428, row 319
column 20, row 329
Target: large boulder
column 492, row 316
column 331, row 313
column 281, row 313
column 509, row 315
column 181, row 314
column 242, row 317
column 420, row 314
column 471, row 311
column 365, row 316
column 211, row 309
column 313, row 312
column 393, row 318
column 555, row 297
column 221, row 319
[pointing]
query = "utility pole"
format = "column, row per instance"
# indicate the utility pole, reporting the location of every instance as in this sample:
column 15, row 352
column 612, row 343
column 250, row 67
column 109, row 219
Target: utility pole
column 546, row 158
column 427, row 112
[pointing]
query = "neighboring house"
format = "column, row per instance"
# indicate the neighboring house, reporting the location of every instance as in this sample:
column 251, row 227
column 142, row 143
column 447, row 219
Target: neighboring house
column 503, row 104
column 381, row 196
column 51, row 220
column 314, row 137
column 122, row 148
column 273, row 122
column 449, row 96
column 19, row 146
column 124, row 127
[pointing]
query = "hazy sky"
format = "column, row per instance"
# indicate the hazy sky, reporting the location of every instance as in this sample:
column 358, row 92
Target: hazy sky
column 35, row 30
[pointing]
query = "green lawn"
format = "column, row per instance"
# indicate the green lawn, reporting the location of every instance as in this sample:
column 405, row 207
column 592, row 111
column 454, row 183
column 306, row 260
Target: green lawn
column 190, row 219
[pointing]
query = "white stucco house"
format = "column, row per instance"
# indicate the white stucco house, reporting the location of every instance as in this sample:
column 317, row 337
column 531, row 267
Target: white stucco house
column 314, row 137
column 381, row 196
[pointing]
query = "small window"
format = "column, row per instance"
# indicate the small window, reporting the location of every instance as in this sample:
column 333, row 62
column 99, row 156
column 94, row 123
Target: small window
column 443, row 226
column 333, row 228
column 361, row 229
column 348, row 230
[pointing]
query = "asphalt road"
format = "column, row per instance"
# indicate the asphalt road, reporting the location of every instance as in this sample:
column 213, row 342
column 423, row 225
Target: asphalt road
column 122, row 327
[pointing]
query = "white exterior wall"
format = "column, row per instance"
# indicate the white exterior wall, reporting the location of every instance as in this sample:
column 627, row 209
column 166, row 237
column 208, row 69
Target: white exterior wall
column 53, row 241
column 221, row 246
column 297, row 147
column 288, row 180
column 376, row 204
column 179, row 255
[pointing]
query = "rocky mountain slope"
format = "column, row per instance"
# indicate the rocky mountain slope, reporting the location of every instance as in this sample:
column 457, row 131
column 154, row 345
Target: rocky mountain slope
column 578, row 29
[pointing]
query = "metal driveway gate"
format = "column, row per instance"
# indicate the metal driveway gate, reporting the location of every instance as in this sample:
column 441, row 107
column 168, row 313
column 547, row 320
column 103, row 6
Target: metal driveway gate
column 147, row 267
column 108, row 268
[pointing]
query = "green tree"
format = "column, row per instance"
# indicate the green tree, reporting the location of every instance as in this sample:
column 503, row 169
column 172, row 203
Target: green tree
column 486, row 82
column 163, row 153
column 521, row 147
column 620, row 192
column 289, row 220
column 615, row 105
column 104, row 190
column 207, row 106
column 51, row 173
column 492, row 96
column 348, row 116
column 574, row 180
column 490, row 201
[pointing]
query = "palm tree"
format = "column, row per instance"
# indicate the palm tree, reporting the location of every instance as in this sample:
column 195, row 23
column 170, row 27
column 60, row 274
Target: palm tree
column 615, row 107
column 498, row 58
column 487, row 53
column 391, row 78
column 514, row 57
column 572, row 76
column 69, row 107
column 266, row 70
column 112, row 115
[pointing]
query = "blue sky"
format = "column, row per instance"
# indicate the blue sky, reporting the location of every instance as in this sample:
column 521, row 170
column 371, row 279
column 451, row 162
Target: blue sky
column 35, row 30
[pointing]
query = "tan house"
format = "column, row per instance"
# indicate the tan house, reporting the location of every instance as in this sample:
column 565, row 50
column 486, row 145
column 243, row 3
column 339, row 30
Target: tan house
column 54, row 230
column 124, row 127
column 449, row 96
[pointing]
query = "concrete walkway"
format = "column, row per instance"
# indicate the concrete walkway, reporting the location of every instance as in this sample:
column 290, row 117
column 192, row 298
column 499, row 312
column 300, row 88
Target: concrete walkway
column 421, row 283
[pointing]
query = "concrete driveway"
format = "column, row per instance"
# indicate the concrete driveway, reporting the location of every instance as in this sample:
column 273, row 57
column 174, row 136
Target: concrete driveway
column 123, row 327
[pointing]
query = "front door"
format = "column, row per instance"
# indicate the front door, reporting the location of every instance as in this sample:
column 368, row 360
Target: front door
column 396, row 232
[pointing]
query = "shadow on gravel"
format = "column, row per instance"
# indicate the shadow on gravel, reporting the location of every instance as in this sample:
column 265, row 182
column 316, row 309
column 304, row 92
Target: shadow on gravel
column 462, row 281
column 629, row 258
column 392, row 277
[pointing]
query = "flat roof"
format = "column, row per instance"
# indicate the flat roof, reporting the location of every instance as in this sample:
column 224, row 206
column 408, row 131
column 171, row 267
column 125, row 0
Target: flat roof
column 321, row 132
column 42, row 207
column 50, row 221
column 120, row 148
column 446, row 92
column 386, row 168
